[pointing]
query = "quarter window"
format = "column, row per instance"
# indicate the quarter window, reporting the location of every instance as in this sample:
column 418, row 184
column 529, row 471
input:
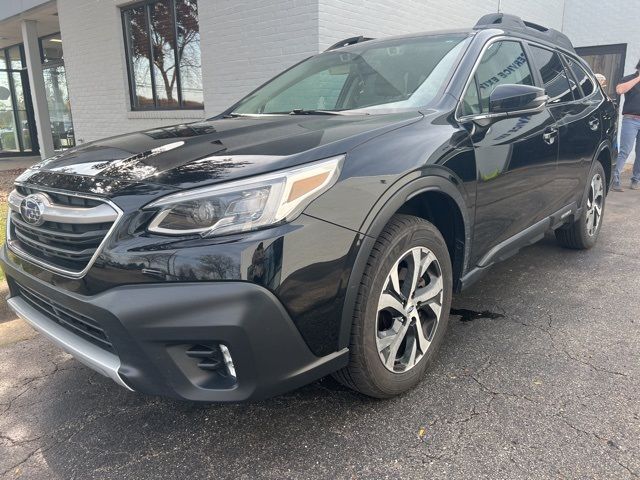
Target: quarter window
column 554, row 76
column 471, row 101
column 503, row 63
column 581, row 76
column 162, row 41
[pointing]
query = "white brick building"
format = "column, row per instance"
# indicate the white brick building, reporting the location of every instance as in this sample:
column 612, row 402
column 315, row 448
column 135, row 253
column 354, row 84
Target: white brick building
column 86, row 92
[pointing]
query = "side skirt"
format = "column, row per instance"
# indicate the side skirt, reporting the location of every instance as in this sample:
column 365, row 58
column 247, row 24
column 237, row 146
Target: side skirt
column 513, row 245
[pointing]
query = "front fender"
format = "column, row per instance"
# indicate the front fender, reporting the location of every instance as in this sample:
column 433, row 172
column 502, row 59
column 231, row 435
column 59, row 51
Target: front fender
column 408, row 187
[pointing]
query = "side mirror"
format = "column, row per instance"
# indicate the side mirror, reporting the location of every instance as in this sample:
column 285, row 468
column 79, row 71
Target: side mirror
column 515, row 99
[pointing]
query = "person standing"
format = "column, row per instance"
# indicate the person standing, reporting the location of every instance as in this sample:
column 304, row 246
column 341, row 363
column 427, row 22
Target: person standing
column 630, row 132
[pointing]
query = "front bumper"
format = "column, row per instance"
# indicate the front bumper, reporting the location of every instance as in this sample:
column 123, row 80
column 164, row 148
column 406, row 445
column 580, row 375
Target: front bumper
column 152, row 326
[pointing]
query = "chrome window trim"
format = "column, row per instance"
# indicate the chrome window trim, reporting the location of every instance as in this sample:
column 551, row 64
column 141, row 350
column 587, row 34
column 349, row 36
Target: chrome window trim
column 11, row 242
column 485, row 47
column 465, row 118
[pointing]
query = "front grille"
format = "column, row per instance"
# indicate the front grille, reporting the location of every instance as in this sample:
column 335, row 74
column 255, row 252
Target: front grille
column 61, row 198
column 73, row 321
column 72, row 233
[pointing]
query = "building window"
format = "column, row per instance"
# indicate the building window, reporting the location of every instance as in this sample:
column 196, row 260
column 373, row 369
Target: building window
column 162, row 42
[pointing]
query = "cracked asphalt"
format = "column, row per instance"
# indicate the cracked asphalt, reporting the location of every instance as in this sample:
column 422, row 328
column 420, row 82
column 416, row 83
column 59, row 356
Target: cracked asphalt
column 550, row 389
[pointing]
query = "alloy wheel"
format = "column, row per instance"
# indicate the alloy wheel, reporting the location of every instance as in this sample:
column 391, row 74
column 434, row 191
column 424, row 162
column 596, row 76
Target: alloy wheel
column 594, row 204
column 409, row 309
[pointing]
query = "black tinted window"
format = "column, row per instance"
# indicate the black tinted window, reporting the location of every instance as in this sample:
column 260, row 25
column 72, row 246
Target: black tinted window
column 503, row 63
column 554, row 77
column 581, row 77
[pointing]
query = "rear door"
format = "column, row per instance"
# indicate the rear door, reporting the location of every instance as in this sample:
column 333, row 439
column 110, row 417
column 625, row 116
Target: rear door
column 578, row 123
column 515, row 157
column 589, row 127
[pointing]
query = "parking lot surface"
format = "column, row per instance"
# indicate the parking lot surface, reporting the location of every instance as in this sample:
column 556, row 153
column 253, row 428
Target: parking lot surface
column 544, row 384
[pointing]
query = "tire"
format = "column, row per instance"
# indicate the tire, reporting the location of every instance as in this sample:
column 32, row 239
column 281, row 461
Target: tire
column 375, row 368
column 583, row 233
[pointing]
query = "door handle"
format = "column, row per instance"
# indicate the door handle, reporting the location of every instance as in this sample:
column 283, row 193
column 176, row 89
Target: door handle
column 594, row 124
column 549, row 135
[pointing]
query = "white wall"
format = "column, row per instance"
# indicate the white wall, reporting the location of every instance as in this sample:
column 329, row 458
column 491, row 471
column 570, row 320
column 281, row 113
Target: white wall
column 16, row 7
column 596, row 22
column 341, row 19
column 246, row 42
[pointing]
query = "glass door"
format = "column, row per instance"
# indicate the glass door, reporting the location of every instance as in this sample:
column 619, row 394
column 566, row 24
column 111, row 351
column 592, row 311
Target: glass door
column 16, row 114
column 55, row 85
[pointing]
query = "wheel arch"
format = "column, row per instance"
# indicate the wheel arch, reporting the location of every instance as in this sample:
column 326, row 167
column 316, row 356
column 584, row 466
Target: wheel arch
column 434, row 198
column 604, row 155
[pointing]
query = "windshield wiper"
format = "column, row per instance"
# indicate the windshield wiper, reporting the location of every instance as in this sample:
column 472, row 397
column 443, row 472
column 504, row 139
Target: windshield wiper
column 301, row 111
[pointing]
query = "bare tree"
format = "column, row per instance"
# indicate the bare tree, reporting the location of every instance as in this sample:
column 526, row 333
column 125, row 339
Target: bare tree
column 163, row 39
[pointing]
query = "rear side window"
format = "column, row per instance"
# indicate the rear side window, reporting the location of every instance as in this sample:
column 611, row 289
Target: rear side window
column 554, row 76
column 503, row 63
column 581, row 76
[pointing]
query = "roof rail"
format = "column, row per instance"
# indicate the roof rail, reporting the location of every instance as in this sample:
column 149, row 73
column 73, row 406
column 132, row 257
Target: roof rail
column 515, row 23
column 348, row 41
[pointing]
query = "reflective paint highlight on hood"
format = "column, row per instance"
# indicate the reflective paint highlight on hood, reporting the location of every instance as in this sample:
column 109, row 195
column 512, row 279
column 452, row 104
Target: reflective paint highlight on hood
column 189, row 155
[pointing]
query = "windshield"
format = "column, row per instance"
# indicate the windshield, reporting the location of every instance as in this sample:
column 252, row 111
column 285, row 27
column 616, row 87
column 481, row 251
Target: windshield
column 396, row 74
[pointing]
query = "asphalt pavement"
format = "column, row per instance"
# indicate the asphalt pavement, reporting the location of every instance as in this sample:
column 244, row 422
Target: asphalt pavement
column 544, row 384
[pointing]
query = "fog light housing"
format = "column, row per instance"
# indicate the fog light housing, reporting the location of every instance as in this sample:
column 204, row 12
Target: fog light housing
column 228, row 361
column 209, row 365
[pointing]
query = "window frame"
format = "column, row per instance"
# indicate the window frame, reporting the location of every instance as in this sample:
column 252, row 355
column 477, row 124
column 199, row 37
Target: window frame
column 5, row 51
column 538, row 75
column 459, row 117
column 147, row 4
column 596, row 84
column 41, row 49
column 14, row 99
column 525, row 42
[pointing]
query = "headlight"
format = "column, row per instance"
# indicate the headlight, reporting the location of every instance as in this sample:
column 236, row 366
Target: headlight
column 246, row 204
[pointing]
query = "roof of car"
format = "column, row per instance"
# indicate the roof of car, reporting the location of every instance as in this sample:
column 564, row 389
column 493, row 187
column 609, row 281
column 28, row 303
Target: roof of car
column 516, row 25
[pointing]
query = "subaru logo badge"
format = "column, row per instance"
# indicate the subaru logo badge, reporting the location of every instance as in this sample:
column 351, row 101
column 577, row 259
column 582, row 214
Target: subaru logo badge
column 32, row 208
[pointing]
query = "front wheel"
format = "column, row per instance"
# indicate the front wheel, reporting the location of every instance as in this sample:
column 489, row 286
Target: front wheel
column 583, row 232
column 401, row 311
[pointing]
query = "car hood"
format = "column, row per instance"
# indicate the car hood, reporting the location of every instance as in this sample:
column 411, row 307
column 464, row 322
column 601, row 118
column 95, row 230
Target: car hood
column 188, row 155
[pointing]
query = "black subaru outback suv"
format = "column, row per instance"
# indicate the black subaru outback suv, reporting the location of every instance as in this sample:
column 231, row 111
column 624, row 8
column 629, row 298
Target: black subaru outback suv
column 321, row 224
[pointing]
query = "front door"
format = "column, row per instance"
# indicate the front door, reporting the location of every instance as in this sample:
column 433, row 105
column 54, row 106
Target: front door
column 515, row 157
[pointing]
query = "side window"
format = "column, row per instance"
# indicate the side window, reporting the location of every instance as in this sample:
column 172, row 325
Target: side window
column 554, row 76
column 581, row 77
column 503, row 63
column 471, row 100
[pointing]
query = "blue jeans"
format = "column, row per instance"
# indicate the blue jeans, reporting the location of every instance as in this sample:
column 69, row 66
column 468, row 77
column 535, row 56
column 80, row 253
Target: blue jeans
column 629, row 135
